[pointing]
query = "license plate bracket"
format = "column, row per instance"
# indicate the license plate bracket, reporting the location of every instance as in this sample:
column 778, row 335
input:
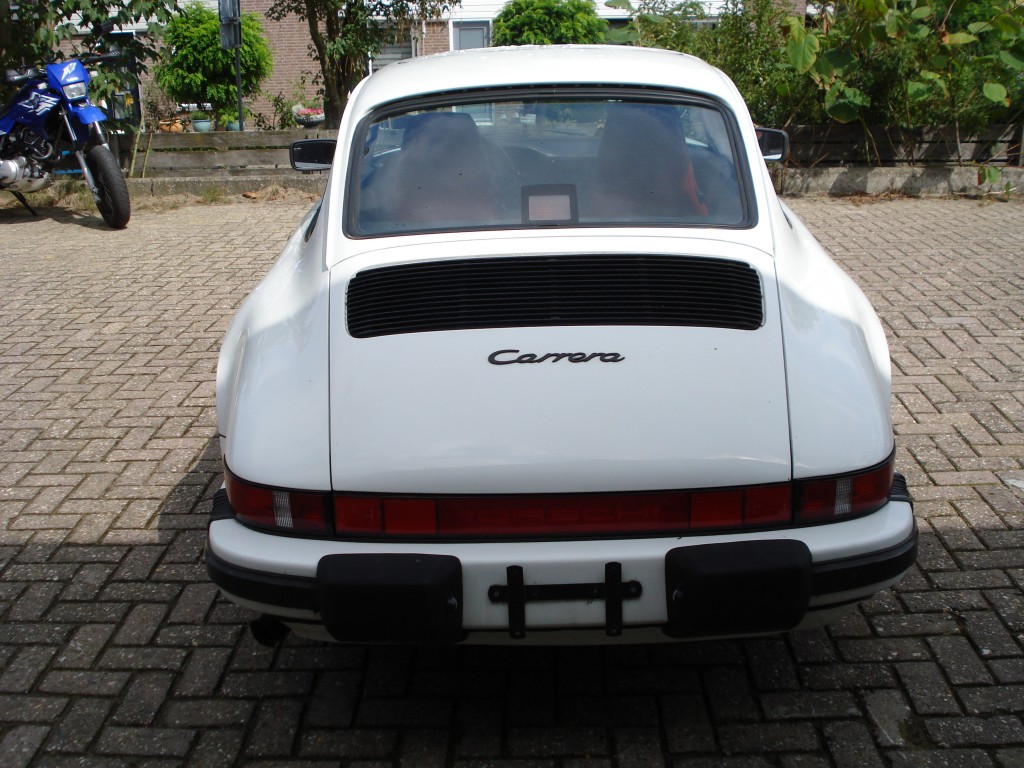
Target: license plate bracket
column 613, row 590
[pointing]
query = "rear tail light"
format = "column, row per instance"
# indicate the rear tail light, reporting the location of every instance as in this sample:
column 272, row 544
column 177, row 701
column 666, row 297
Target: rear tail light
column 276, row 508
column 833, row 498
column 803, row 501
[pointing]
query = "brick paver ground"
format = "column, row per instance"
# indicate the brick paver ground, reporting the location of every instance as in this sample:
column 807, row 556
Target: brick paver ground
column 115, row 650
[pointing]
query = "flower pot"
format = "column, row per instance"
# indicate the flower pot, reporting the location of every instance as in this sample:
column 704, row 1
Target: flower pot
column 202, row 126
column 309, row 120
column 233, row 125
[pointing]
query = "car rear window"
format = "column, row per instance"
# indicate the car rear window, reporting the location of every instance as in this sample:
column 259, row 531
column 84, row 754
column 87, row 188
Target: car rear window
column 546, row 162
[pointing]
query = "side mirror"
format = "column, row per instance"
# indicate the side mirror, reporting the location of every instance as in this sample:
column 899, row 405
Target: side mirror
column 309, row 155
column 774, row 144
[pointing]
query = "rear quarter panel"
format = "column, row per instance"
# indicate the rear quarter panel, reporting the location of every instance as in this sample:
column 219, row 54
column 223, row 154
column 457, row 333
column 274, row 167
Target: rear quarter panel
column 837, row 358
column 272, row 374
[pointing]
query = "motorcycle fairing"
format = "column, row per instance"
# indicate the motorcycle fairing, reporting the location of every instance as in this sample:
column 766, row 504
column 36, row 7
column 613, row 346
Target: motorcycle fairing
column 86, row 112
column 29, row 106
column 63, row 73
column 67, row 72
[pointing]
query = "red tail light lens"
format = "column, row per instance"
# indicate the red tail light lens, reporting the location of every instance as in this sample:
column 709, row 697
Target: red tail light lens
column 673, row 512
column 277, row 508
column 838, row 497
column 536, row 515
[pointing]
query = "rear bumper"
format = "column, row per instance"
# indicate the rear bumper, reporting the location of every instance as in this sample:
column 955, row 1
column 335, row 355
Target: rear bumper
column 680, row 587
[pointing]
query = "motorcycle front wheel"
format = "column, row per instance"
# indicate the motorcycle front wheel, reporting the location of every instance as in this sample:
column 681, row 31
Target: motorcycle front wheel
column 114, row 204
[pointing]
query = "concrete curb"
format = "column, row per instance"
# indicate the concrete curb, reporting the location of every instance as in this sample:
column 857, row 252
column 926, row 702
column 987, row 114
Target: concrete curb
column 913, row 181
column 925, row 181
column 227, row 185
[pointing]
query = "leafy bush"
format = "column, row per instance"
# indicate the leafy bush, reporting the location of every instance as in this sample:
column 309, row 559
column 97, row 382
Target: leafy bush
column 745, row 42
column 905, row 64
column 194, row 69
column 915, row 63
column 548, row 22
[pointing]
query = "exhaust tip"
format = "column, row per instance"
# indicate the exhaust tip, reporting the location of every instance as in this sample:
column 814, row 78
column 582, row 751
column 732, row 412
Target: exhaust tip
column 268, row 631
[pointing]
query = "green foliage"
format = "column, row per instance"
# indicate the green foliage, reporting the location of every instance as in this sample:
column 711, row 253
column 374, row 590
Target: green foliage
column 914, row 63
column 344, row 34
column 746, row 43
column 548, row 22
column 911, row 64
column 31, row 32
column 195, row 69
column 659, row 24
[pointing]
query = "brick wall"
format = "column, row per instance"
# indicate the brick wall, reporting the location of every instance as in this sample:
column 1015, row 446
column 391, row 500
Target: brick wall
column 289, row 40
column 438, row 38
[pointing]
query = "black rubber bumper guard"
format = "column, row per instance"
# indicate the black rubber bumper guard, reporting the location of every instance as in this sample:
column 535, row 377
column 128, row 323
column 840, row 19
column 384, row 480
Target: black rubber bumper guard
column 711, row 589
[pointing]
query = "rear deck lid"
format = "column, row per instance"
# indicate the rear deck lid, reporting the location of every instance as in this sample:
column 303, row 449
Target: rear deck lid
column 538, row 373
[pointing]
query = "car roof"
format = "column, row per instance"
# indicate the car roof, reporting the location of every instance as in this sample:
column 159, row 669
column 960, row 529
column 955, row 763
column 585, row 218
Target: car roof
column 539, row 65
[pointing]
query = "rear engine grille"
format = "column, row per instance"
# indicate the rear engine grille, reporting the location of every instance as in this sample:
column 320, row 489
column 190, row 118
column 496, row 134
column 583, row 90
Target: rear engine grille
column 562, row 290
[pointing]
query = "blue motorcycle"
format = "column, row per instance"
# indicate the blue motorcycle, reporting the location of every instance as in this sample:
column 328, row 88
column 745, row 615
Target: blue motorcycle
column 49, row 116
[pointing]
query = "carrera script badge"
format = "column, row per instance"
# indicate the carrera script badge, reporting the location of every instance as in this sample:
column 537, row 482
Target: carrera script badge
column 514, row 356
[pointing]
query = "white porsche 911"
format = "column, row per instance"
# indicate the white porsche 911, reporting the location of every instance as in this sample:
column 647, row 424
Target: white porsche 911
column 551, row 362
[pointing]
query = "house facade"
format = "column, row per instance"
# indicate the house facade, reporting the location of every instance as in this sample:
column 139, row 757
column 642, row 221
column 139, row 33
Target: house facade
column 467, row 25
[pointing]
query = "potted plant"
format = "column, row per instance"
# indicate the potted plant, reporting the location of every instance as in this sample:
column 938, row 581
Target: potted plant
column 228, row 120
column 307, row 116
column 201, row 121
column 194, row 69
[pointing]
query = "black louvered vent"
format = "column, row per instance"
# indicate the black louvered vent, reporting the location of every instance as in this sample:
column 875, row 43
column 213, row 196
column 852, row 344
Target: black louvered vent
column 554, row 290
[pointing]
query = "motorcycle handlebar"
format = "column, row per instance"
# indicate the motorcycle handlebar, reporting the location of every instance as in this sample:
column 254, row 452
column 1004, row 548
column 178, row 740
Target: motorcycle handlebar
column 96, row 58
column 14, row 77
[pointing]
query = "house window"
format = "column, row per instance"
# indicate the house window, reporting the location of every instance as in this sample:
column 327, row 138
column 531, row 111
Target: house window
column 472, row 34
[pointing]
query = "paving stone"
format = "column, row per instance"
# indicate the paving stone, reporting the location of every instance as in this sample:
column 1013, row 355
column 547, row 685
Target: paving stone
column 424, row 748
column 993, row 699
column 216, row 749
column 85, row 683
column 145, row 742
column 349, row 744
column 804, row 705
column 891, row 717
column 21, row 673
column 478, row 728
column 274, row 729
column 85, row 645
column 1001, row 730
column 143, row 699
column 79, row 727
column 730, row 694
column 638, row 748
column 556, row 741
column 424, row 713
column 959, row 661
column 1011, row 757
column 1008, row 670
column 21, row 743
column 851, row 745
column 927, row 689
column 115, row 650
column 990, row 635
column 947, row 758
column 769, row 737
